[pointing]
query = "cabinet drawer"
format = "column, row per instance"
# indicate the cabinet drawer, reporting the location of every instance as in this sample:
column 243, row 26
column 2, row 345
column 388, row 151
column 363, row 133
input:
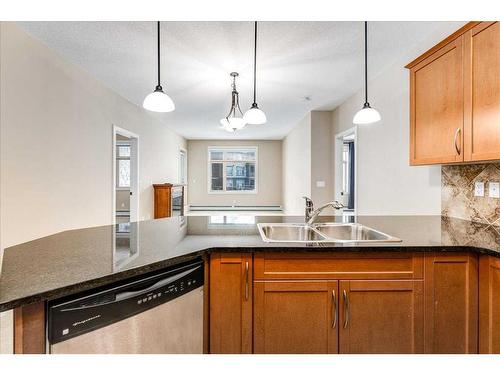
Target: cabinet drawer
column 338, row 266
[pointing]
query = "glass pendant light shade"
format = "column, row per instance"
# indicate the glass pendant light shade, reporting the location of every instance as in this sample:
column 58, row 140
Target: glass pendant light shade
column 366, row 115
column 233, row 123
column 255, row 116
column 158, row 101
column 227, row 128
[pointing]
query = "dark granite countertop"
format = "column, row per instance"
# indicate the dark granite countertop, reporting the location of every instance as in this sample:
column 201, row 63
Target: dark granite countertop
column 73, row 261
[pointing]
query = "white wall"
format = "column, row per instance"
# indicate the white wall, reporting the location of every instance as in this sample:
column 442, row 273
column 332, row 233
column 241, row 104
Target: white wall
column 387, row 185
column 297, row 167
column 269, row 180
column 56, row 144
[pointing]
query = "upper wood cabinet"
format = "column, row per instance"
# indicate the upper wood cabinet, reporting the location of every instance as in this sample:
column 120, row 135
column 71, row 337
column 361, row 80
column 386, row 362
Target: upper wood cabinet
column 437, row 107
column 482, row 92
column 455, row 98
column 231, row 303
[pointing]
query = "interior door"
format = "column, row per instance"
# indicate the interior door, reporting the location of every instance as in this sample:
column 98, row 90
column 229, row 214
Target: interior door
column 381, row 316
column 437, row 107
column 296, row 317
column 482, row 92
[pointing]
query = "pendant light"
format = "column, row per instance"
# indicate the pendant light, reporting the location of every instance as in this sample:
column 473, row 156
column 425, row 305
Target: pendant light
column 254, row 115
column 234, row 119
column 366, row 115
column 158, row 101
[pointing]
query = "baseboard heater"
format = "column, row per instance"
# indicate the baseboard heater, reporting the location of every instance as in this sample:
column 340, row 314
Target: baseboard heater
column 236, row 208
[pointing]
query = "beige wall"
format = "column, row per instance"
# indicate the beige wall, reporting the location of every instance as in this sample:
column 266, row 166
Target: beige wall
column 56, row 145
column 321, row 157
column 307, row 160
column 297, row 167
column 269, row 174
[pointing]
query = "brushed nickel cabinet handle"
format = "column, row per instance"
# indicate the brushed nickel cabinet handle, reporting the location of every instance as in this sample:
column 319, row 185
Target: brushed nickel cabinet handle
column 346, row 309
column 457, row 132
column 334, row 307
column 246, row 281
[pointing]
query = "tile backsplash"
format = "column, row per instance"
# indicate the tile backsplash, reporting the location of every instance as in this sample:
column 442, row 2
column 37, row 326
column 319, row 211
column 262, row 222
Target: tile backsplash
column 457, row 192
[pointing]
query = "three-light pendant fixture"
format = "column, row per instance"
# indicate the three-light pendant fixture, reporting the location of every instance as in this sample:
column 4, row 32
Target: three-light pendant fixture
column 236, row 120
column 367, row 114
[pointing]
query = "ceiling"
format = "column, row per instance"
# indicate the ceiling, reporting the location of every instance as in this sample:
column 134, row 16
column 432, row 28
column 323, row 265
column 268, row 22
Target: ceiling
column 302, row 66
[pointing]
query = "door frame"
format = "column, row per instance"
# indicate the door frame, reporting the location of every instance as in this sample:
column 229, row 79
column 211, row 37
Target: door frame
column 337, row 182
column 134, row 173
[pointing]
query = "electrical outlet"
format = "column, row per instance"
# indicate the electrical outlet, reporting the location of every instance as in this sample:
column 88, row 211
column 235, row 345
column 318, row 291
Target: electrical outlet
column 320, row 184
column 479, row 189
column 494, row 189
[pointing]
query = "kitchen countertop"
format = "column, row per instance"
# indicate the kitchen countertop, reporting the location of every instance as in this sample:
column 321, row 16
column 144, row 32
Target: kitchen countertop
column 77, row 260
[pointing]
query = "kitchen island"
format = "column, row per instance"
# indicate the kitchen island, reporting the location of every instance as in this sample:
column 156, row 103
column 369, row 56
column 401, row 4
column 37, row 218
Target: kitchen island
column 457, row 258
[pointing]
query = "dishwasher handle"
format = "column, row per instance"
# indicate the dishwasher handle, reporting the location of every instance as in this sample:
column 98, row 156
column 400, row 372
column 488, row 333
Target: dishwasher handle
column 126, row 295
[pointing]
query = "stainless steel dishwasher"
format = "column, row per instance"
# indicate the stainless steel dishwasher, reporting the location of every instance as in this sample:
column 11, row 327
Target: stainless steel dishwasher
column 162, row 313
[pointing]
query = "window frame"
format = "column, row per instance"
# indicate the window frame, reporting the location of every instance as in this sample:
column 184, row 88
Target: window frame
column 224, row 171
column 183, row 166
column 117, row 160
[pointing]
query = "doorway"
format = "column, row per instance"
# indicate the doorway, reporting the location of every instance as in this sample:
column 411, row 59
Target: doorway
column 125, row 179
column 346, row 169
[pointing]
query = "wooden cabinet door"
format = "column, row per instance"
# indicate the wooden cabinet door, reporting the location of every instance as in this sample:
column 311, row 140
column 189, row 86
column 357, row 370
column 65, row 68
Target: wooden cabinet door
column 231, row 303
column 482, row 92
column 295, row 317
column 451, row 303
column 381, row 316
column 489, row 305
column 437, row 107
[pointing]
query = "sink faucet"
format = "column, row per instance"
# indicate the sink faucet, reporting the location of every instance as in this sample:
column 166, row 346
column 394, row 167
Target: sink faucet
column 311, row 214
column 309, row 208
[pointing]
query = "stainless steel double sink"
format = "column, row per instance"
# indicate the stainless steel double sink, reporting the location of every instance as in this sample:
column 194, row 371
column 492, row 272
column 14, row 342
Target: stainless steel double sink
column 322, row 233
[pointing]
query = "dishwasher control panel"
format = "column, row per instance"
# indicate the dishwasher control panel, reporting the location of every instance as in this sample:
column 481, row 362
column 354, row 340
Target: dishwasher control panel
column 72, row 318
column 171, row 290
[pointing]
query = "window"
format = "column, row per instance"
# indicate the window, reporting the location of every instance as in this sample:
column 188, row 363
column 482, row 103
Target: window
column 345, row 168
column 123, row 165
column 182, row 167
column 231, row 220
column 232, row 170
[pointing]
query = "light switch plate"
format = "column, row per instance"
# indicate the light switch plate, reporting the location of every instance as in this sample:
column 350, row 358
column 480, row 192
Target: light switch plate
column 479, row 189
column 494, row 190
column 320, row 184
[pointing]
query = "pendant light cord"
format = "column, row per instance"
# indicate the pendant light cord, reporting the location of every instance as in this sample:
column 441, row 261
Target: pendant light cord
column 366, row 62
column 255, row 62
column 158, row 31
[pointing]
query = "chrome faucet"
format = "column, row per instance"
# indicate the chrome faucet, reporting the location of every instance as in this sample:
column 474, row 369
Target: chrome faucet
column 311, row 214
column 309, row 208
